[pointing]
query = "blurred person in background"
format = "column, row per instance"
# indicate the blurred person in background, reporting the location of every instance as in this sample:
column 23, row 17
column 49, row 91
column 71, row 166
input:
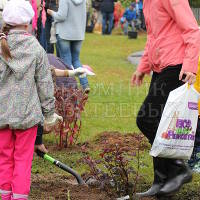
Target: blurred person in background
column 141, row 14
column 53, row 5
column 70, row 22
column 129, row 18
column 107, row 10
column 40, row 32
column 88, row 9
column 118, row 13
column 96, row 5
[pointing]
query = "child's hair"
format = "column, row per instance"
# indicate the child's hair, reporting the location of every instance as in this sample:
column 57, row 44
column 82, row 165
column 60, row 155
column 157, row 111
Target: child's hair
column 4, row 44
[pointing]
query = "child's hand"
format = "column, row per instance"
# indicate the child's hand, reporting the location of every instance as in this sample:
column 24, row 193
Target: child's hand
column 80, row 72
column 41, row 148
column 47, row 129
column 76, row 72
column 52, row 120
column 50, row 12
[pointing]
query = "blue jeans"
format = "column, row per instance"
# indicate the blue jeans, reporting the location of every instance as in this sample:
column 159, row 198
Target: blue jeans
column 107, row 23
column 70, row 53
column 42, row 38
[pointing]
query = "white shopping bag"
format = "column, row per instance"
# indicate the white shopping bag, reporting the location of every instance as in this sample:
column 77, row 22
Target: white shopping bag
column 176, row 132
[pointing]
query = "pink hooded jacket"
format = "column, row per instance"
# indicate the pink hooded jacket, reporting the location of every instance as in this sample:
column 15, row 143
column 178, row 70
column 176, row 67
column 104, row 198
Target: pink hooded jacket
column 173, row 36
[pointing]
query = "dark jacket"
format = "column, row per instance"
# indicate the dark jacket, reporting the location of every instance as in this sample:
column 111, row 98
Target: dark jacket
column 107, row 6
column 51, row 4
column 96, row 4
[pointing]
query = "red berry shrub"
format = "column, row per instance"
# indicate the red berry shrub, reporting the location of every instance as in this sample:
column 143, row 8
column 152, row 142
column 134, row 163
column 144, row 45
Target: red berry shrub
column 69, row 104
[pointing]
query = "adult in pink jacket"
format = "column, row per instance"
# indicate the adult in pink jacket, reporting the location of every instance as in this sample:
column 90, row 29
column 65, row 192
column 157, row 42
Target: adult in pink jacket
column 171, row 52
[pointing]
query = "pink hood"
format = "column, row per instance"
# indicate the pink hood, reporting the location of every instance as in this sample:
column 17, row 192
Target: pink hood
column 173, row 36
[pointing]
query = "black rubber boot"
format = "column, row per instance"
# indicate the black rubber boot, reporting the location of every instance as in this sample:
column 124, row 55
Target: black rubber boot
column 160, row 178
column 178, row 174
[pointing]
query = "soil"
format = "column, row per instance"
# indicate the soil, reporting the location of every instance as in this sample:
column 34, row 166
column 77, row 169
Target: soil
column 49, row 188
column 108, row 139
column 130, row 141
column 57, row 187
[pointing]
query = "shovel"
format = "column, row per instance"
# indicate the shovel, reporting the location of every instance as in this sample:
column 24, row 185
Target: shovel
column 61, row 166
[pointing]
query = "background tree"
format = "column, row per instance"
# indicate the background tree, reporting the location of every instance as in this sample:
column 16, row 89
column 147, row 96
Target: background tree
column 195, row 3
column 126, row 3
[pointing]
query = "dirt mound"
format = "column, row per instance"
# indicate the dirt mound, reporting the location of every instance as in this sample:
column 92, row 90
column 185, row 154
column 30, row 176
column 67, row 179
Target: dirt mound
column 58, row 187
column 108, row 139
column 130, row 140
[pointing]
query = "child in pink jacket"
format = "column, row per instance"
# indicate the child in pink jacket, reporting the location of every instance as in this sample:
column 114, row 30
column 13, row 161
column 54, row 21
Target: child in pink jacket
column 171, row 52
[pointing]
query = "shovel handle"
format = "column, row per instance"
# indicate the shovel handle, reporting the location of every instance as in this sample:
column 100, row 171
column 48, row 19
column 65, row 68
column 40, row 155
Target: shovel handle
column 61, row 166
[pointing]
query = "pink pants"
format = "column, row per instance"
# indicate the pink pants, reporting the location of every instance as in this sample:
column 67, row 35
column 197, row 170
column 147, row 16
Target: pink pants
column 16, row 155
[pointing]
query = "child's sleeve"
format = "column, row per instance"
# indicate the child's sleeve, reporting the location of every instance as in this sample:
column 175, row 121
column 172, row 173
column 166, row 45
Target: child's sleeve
column 44, row 83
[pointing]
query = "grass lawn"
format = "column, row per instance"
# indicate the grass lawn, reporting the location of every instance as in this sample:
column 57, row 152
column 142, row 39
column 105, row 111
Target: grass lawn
column 113, row 103
column 112, row 106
